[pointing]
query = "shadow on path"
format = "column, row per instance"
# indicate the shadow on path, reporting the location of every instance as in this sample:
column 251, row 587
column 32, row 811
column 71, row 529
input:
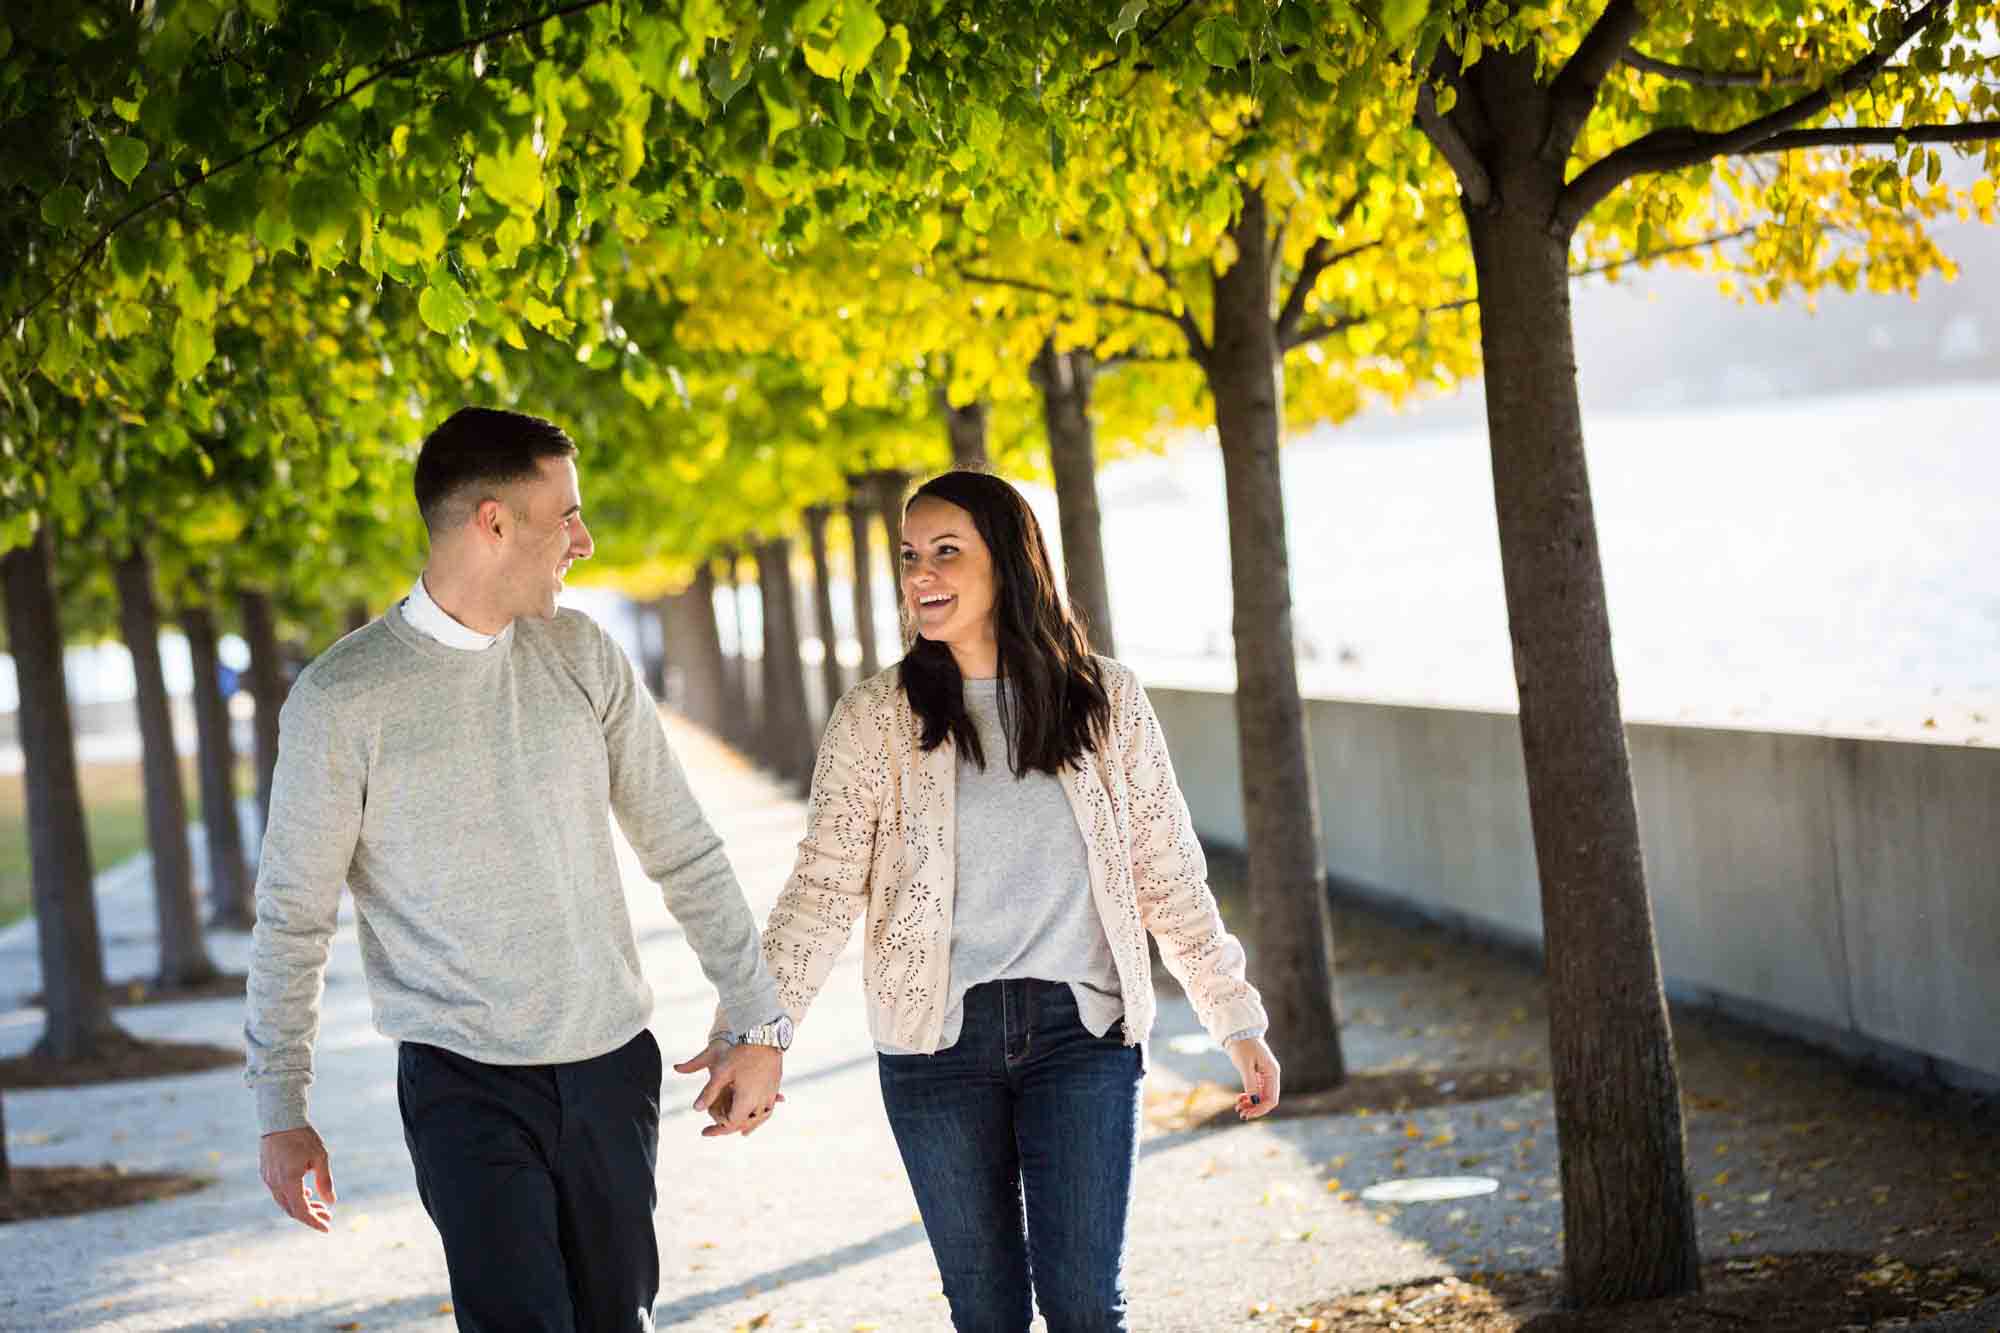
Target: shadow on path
column 771, row 1280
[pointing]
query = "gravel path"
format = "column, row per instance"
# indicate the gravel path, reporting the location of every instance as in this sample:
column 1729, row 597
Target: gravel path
column 811, row 1223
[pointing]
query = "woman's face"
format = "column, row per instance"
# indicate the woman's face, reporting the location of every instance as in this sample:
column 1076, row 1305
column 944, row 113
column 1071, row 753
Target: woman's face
column 947, row 573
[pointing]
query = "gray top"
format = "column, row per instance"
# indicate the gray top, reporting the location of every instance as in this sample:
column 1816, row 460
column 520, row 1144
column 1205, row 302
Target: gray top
column 1023, row 905
column 462, row 797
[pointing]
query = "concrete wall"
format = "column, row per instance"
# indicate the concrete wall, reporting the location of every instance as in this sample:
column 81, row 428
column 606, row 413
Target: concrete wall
column 1847, row 890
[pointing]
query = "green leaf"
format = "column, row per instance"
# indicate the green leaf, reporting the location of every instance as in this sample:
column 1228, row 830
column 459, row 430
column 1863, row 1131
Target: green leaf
column 512, row 177
column 1128, row 18
column 126, row 155
column 444, row 306
column 782, row 115
column 721, row 82
column 1402, row 17
column 236, row 268
column 194, row 348
column 63, row 207
column 891, row 58
column 861, row 31
column 1221, row 41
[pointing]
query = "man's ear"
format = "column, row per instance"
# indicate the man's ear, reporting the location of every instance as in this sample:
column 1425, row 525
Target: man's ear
column 491, row 519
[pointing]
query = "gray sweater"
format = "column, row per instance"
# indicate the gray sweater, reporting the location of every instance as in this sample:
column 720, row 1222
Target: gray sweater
column 462, row 797
column 1023, row 906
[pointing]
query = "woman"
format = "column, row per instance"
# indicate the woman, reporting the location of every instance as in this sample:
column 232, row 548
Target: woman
column 1002, row 805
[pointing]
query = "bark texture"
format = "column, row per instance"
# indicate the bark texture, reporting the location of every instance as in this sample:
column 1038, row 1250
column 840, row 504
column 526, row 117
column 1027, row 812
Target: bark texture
column 229, row 896
column 829, row 636
column 965, row 432
column 78, row 1006
column 788, row 741
column 744, row 726
column 184, row 959
column 706, row 690
column 1065, row 380
column 266, row 679
column 1628, row 1217
column 892, row 489
column 1290, row 917
column 859, row 516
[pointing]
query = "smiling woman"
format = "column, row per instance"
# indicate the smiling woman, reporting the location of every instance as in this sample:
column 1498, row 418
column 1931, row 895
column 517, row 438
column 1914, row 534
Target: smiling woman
column 1003, row 807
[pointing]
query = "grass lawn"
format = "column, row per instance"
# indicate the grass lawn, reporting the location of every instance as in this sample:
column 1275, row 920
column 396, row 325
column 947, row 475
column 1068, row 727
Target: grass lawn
column 114, row 809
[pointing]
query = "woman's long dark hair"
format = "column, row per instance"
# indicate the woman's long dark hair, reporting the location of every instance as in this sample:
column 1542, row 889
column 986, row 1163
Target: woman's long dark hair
column 1045, row 663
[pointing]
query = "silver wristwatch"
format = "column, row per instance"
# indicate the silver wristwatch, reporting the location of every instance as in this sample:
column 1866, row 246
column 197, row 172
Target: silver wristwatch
column 777, row 1032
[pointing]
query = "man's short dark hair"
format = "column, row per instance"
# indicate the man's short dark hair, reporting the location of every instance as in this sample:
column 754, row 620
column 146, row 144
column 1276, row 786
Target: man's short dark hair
column 476, row 450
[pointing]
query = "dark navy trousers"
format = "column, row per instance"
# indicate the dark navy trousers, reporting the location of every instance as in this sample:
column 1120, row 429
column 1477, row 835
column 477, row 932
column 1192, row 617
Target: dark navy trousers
column 1020, row 1140
column 540, row 1181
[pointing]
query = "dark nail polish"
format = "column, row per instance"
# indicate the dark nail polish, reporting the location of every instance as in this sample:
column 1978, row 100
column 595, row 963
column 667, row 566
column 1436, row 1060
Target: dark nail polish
column 1255, row 1100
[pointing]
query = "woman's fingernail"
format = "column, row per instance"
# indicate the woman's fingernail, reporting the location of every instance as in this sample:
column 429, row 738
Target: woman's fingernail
column 1255, row 1100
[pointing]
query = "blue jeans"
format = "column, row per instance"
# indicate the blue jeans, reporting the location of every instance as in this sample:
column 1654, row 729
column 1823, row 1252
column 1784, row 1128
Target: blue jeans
column 1020, row 1141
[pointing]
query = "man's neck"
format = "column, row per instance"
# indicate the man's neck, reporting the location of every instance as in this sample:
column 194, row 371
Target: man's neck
column 456, row 596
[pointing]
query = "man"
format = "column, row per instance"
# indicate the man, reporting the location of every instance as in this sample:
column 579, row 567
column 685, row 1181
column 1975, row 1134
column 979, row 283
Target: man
column 452, row 763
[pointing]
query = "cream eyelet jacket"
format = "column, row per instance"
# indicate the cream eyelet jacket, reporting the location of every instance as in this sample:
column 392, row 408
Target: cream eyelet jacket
column 880, row 834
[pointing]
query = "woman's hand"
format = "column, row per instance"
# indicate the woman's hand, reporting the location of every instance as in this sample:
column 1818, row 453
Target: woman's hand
column 1259, row 1070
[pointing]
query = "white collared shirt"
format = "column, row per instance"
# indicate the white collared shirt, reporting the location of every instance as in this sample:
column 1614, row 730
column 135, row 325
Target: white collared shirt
column 426, row 616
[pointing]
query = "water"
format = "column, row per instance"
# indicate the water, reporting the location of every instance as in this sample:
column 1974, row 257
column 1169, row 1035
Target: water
column 1827, row 564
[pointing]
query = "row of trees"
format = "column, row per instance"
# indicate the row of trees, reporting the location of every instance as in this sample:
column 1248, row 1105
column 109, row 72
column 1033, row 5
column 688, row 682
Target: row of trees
column 748, row 253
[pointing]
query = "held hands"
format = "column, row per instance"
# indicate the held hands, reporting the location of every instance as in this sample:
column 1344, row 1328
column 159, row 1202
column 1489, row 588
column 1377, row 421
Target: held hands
column 283, row 1159
column 1259, row 1071
column 742, row 1087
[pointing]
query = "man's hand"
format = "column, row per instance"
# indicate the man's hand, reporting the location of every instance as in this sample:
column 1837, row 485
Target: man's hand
column 742, row 1087
column 284, row 1158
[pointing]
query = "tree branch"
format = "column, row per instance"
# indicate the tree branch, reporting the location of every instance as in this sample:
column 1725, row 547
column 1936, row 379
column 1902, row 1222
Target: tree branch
column 1573, row 91
column 1197, row 345
column 292, row 131
column 1661, row 252
column 1677, row 147
column 1473, row 181
column 1144, row 41
column 1710, row 78
column 1315, row 332
column 1842, row 136
column 1317, row 260
column 1042, row 289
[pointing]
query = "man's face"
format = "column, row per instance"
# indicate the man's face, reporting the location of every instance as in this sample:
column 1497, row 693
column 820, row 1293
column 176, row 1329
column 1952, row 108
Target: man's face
column 547, row 535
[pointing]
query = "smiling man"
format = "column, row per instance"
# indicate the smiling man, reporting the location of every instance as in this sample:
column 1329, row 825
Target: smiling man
column 452, row 764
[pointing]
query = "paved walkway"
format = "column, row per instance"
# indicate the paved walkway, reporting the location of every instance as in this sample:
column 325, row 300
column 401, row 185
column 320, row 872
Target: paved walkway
column 810, row 1224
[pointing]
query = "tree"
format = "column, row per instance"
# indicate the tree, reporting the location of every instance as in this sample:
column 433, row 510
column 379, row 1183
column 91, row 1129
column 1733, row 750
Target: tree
column 229, row 886
column 859, row 516
column 788, row 741
column 79, row 1024
column 184, row 959
column 816, row 518
column 1064, row 379
column 1523, row 105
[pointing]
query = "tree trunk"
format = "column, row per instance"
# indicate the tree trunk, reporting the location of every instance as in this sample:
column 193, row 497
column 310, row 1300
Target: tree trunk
column 701, row 657
column 267, row 690
column 6, row 1172
column 1065, row 381
column 788, row 733
column 1628, row 1219
column 830, row 675
column 230, row 905
column 892, row 488
column 744, row 728
column 79, row 1021
column 965, row 431
column 184, row 959
column 659, row 663
column 859, row 517
column 357, row 616
column 1290, row 916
